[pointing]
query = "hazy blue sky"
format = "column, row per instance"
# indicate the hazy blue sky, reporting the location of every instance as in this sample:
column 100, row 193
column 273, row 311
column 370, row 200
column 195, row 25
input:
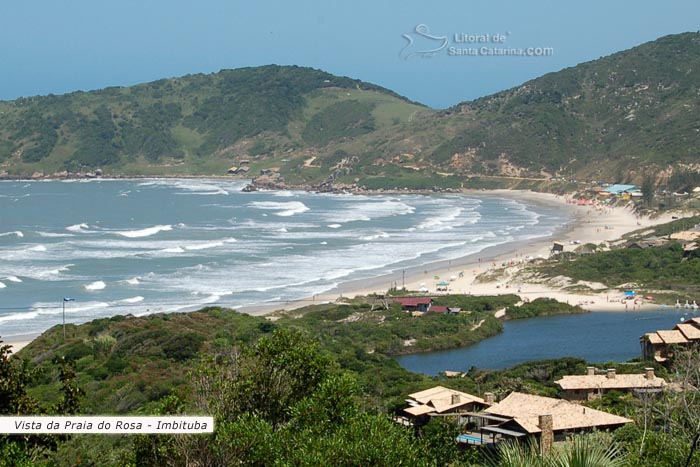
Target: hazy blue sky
column 49, row 46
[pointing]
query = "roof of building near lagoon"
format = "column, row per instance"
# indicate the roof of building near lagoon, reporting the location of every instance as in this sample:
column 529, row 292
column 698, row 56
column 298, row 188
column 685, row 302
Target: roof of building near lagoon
column 633, row 381
column 525, row 410
column 439, row 399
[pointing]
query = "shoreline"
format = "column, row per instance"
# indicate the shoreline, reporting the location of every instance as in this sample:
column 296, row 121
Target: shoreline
column 19, row 341
column 589, row 225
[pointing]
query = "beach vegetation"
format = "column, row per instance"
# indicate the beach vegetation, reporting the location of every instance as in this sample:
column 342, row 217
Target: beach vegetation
column 312, row 386
column 662, row 267
column 541, row 307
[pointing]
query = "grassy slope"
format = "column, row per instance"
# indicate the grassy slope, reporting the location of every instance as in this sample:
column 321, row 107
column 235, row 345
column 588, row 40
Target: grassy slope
column 613, row 119
column 196, row 124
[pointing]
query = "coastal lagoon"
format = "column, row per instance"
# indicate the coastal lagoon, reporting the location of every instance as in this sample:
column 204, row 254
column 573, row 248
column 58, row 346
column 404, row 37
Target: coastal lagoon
column 597, row 337
column 161, row 245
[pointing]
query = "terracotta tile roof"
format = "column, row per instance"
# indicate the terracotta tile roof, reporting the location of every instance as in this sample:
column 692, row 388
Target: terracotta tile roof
column 417, row 410
column 441, row 400
column 438, row 309
column 525, row 410
column 654, row 338
column 638, row 381
column 672, row 337
column 689, row 331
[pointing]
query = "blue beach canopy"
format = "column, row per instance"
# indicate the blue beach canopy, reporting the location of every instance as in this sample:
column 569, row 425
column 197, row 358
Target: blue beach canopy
column 630, row 293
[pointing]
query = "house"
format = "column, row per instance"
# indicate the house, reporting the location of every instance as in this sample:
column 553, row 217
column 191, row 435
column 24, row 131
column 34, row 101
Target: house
column 660, row 345
column 557, row 247
column 583, row 388
column 438, row 309
column 414, row 303
column 238, row 170
column 618, row 190
column 523, row 415
column 686, row 235
column 439, row 401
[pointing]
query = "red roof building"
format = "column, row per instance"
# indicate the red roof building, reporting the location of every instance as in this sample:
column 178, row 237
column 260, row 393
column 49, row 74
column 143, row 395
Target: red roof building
column 414, row 303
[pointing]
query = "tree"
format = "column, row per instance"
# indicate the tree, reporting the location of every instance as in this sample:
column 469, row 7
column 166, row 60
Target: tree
column 648, row 190
column 15, row 374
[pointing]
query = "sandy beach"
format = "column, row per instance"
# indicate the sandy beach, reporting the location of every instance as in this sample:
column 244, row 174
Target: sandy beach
column 18, row 342
column 591, row 224
column 494, row 271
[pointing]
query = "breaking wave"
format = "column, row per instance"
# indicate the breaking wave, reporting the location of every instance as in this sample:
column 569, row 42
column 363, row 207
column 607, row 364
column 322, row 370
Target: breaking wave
column 144, row 232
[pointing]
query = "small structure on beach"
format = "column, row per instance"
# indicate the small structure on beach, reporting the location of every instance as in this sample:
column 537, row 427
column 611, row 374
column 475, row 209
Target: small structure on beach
column 661, row 345
column 557, row 247
column 414, row 303
column 584, row 388
column 618, row 190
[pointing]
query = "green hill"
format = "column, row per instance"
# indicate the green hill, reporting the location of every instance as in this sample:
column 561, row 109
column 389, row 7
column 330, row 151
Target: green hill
column 618, row 118
column 615, row 119
column 197, row 124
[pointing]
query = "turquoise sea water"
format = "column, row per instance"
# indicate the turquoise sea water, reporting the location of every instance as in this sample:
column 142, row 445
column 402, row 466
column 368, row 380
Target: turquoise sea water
column 144, row 246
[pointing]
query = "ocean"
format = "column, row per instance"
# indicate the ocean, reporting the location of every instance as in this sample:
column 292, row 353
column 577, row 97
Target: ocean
column 162, row 245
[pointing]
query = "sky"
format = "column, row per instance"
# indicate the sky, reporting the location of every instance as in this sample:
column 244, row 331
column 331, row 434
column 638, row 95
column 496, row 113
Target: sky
column 408, row 46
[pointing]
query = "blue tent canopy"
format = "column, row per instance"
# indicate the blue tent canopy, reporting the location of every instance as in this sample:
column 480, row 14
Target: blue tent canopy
column 630, row 293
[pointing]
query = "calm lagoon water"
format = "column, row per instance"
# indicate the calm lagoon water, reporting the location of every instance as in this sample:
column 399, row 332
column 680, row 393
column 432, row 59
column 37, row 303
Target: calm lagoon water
column 597, row 337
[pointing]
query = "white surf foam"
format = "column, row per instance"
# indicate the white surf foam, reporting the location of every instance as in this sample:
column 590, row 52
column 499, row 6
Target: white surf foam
column 136, row 299
column 175, row 249
column 37, row 248
column 97, row 285
column 133, row 281
column 77, row 227
column 203, row 246
column 13, row 279
column 334, row 226
column 16, row 233
column 54, row 234
column 285, row 209
column 378, row 235
column 2, row 285
column 366, row 211
column 441, row 221
column 144, row 232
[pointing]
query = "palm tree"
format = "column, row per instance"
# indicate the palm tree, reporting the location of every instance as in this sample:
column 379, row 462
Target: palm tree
column 580, row 451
